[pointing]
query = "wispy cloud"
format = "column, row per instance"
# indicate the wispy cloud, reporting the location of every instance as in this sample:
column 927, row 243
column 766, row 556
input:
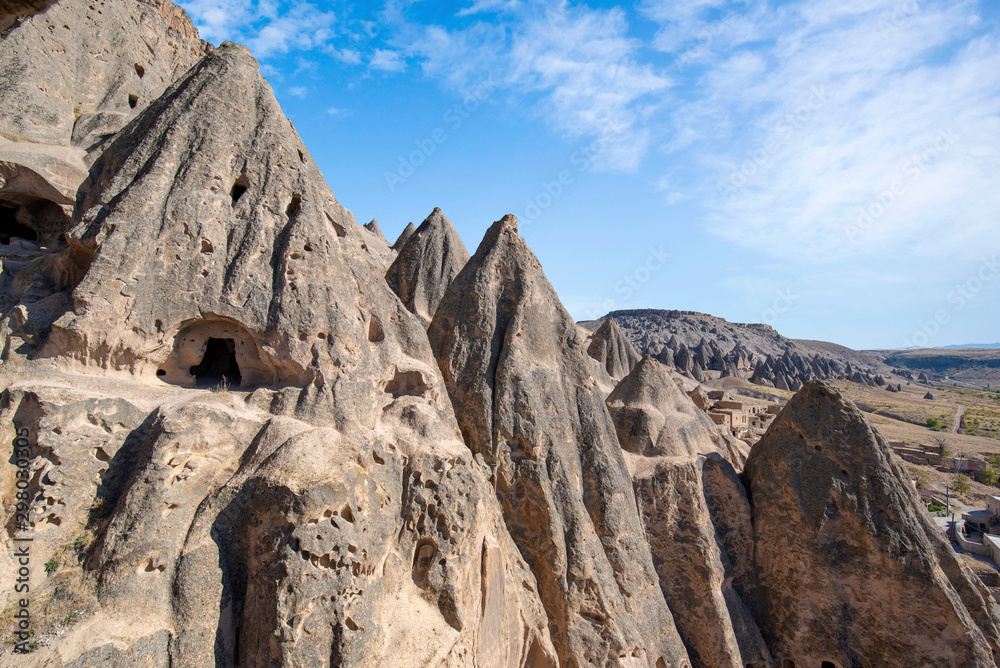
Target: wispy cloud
column 386, row 60
column 268, row 27
column 833, row 130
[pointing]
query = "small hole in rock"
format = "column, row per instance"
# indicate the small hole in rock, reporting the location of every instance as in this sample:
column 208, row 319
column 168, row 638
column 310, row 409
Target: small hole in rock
column 302, row 157
column 140, row 70
column 161, row 372
column 295, row 205
column 11, row 227
column 133, row 100
column 239, row 187
column 206, row 246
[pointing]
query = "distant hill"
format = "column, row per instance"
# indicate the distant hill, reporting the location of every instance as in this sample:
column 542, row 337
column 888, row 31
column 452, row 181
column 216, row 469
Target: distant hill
column 704, row 346
column 977, row 366
column 965, row 346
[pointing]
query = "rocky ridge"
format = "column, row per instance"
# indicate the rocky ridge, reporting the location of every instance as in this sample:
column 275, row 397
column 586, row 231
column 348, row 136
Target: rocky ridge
column 701, row 346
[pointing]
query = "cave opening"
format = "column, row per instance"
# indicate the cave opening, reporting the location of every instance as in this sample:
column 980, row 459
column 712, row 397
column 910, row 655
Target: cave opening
column 10, row 226
column 218, row 364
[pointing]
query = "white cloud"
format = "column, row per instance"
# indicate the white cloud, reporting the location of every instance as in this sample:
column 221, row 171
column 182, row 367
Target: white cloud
column 268, row 27
column 386, row 60
column 804, row 135
column 338, row 112
column 298, row 91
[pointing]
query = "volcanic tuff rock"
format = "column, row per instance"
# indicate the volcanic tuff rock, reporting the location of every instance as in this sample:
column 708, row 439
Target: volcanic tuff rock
column 848, row 566
column 319, row 507
column 695, row 511
column 700, row 346
column 519, row 377
column 103, row 63
column 404, row 237
column 609, row 346
column 426, row 265
column 372, row 226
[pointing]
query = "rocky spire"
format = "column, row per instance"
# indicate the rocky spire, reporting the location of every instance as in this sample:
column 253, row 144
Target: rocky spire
column 610, row 347
column 517, row 372
column 427, row 264
column 372, row 226
column 688, row 491
column 328, row 484
column 848, row 566
column 404, row 237
column 654, row 418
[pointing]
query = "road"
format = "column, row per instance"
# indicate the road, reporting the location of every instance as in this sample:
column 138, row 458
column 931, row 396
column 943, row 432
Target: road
column 958, row 419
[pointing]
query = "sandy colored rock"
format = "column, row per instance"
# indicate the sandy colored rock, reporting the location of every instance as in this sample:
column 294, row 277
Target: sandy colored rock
column 404, row 237
column 695, row 511
column 372, row 226
column 518, row 375
column 70, row 78
column 293, row 487
column 654, row 418
column 609, row 346
column 426, row 265
column 848, row 567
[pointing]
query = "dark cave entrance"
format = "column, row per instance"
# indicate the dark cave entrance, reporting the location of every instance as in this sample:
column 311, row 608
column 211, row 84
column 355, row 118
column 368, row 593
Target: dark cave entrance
column 219, row 362
column 11, row 227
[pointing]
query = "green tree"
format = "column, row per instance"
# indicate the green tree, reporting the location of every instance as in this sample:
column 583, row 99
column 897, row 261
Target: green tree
column 934, row 424
column 961, row 484
column 989, row 475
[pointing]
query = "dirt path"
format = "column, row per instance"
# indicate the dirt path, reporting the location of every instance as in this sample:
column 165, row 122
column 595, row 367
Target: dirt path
column 958, row 419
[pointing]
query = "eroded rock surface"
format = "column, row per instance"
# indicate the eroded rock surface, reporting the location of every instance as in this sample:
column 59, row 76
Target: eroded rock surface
column 70, row 78
column 426, row 265
column 265, row 468
column 695, row 511
column 517, row 373
column 610, row 347
column 848, row 567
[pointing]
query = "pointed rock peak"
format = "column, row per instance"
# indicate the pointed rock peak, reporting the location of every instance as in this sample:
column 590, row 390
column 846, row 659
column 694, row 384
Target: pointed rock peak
column 834, row 513
column 610, row 347
column 827, row 422
column 404, row 237
column 524, row 391
column 426, row 265
column 654, row 418
column 372, row 226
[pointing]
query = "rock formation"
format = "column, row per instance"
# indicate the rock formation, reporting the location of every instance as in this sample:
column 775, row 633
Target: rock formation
column 404, row 237
column 426, row 265
column 518, row 376
column 372, row 226
column 239, row 446
column 848, row 567
column 609, row 346
column 288, row 516
column 701, row 346
column 654, row 418
column 58, row 110
column 696, row 513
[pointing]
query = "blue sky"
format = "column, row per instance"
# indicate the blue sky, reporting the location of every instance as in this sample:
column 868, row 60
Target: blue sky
column 831, row 168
